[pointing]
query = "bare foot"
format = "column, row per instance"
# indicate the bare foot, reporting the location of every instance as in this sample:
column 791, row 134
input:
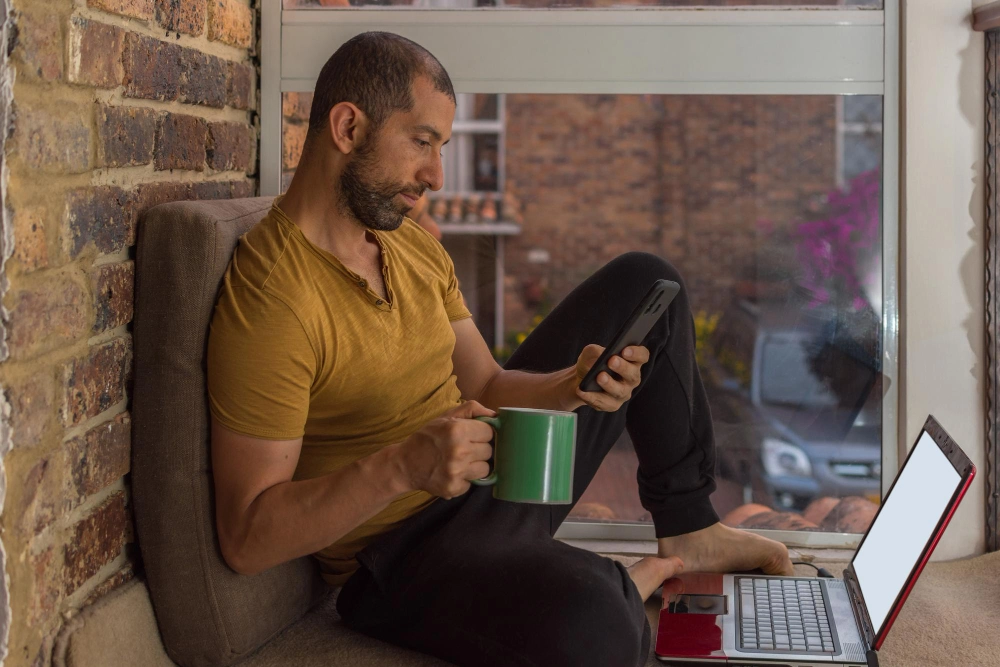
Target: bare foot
column 720, row 548
column 648, row 573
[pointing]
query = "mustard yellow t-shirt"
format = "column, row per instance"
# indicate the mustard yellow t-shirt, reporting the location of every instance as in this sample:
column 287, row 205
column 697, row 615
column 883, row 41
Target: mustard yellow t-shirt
column 300, row 346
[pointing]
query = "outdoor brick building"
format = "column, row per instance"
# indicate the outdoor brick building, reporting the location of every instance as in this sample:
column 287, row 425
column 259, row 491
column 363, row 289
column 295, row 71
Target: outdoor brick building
column 684, row 177
column 115, row 106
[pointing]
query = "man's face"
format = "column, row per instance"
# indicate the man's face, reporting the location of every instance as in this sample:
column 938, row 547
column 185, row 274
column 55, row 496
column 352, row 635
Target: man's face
column 390, row 170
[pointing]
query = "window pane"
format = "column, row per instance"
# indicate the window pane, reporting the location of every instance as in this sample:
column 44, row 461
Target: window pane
column 866, row 109
column 782, row 268
column 485, row 106
column 862, row 152
column 467, row 4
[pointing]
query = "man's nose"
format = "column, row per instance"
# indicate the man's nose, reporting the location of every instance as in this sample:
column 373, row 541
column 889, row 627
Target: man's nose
column 433, row 174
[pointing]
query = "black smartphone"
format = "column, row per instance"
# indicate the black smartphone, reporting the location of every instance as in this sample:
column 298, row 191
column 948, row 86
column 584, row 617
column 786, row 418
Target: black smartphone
column 634, row 330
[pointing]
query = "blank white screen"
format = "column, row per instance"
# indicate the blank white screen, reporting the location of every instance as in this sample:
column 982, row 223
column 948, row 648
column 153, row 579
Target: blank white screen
column 903, row 527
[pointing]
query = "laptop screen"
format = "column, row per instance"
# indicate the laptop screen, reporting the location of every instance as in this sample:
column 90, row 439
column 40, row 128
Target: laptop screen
column 903, row 527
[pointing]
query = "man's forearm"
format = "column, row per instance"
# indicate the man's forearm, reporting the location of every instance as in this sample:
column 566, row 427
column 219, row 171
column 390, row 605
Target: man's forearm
column 293, row 519
column 547, row 391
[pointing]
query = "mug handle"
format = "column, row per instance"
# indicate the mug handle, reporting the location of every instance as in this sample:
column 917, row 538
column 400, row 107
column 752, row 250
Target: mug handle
column 492, row 477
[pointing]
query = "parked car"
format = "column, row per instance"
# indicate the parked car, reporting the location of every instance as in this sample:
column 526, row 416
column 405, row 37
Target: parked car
column 796, row 412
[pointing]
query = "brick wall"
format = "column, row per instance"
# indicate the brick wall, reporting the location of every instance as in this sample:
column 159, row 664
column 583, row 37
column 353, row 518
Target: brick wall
column 119, row 105
column 685, row 177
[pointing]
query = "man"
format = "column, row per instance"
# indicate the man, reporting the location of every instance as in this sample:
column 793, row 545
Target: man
column 344, row 372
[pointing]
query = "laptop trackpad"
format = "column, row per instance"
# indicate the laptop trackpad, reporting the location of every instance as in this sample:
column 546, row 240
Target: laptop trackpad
column 714, row 605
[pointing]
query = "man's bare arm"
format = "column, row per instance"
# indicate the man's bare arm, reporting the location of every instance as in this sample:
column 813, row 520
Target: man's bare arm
column 481, row 378
column 264, row 518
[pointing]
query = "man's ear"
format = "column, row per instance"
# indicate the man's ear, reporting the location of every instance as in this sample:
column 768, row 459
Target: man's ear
column 347, row 125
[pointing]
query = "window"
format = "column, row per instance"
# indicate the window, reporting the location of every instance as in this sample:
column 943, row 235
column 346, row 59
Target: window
column 859, row 126
column 743, row 145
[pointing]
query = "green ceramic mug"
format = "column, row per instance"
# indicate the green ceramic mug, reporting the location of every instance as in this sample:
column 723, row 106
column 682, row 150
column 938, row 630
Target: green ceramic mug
column 533, row 456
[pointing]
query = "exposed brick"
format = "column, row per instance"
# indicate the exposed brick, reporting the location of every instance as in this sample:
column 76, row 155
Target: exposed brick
column 38, row 44
column 31, row 249
column 241, row 189
column 137, row 9
column 47, row 315
column 239, row 85
column 222, row 189
column 152, row 68
column 97, row 382
column 180, row 142
column 228, row 146
column 104, row 215
column 293, row 139
column 202, row 79
column 149, row 195
column 41, row 500
column 95, row 57
column 125, row 135
column 211, row 190
column 295, row 107
column 53, row 139
column 122, row 576
column 47, row 586
column 31, row 399
column 113, row 285
column 230, row 21
column 97, row 540
column 100, row 456
column 187, row 16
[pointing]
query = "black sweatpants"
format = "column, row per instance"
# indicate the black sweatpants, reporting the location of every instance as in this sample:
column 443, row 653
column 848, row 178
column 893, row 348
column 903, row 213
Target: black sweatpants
column 481, row 582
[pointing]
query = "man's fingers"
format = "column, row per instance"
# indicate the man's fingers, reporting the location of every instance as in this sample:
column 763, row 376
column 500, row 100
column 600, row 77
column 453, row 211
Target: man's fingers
column 480, row 451
column 612, row 387
column 477, row 470
column 470, row 409
column 598, row 400
column 636, row 354
column 479, row 432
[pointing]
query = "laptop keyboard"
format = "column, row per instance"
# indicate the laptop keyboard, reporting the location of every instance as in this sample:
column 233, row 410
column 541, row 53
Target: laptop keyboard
column 784, row 615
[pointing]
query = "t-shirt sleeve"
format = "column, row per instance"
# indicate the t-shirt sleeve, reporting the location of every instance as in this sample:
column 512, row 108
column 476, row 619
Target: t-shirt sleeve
column 261, row 365
column 454, row 303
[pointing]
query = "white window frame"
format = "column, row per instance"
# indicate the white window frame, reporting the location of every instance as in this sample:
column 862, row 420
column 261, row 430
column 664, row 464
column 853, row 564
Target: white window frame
column 753, row 50
column 462, row 133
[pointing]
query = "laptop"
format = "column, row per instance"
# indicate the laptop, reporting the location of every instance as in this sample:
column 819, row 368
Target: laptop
column 735, row 619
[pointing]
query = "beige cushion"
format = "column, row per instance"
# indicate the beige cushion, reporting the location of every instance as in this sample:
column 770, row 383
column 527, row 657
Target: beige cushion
column 950, row 619
column 207, row 614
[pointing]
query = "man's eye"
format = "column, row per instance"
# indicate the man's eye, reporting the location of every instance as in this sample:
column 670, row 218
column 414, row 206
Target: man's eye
column 423, row 143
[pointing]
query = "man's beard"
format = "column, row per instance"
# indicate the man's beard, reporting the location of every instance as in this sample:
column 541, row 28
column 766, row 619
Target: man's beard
column 371, row 201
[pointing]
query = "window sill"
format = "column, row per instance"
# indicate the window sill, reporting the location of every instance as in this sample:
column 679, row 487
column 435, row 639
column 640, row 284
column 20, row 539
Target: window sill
column 648, row 548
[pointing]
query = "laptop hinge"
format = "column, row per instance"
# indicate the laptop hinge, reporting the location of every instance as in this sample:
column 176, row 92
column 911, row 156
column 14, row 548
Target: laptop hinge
column 861, row 616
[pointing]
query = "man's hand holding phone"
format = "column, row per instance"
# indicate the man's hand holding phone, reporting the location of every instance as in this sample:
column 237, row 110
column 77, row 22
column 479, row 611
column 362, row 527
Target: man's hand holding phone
column 614, row 392
column 606, row 377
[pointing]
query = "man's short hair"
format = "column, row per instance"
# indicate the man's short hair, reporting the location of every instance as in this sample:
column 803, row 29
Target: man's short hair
column 375, row 71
